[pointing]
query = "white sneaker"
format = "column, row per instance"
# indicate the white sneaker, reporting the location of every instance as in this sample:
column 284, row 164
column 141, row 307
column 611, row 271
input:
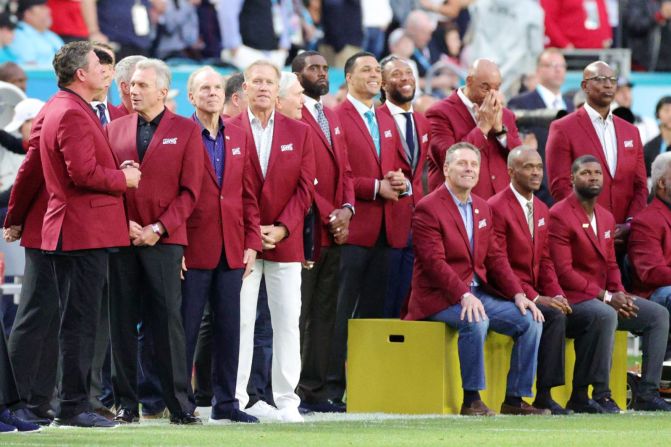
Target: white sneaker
column 263, row 411
column 290, row 414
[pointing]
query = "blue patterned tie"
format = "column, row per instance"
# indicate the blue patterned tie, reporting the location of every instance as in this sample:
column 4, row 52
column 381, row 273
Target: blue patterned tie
column 374, row 131
column 101, row 113
column 323, row 122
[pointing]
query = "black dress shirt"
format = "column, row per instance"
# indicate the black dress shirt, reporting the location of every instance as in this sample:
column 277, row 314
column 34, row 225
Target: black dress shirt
column 145, row 132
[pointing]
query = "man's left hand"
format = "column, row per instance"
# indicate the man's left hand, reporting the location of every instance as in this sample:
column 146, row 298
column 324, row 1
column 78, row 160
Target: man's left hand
column 622, row 233
column 271, row 235
column 523, row 303
column 148, row 238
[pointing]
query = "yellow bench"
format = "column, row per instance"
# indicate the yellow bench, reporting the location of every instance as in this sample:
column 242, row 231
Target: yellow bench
column 412, row 367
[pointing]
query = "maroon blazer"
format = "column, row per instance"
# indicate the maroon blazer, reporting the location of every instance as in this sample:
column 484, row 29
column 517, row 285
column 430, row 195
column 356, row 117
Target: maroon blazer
column 82, row 178
column 372, row 211
column 649, row 248
column 28, row 199
column 574, row 136
column 585, row 264
column 172, row 171
column 117, row 111
column 444, row 264
column 287, row 191
column 529, row 257
column 226, row 217
column 451, row 122
column 334, row 185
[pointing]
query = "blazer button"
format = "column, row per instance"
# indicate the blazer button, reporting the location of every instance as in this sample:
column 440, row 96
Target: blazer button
column 493, row 177
column 221, row 197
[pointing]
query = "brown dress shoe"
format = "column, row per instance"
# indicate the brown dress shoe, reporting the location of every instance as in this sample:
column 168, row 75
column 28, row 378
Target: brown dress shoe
column 523, row 410
column 477, row 408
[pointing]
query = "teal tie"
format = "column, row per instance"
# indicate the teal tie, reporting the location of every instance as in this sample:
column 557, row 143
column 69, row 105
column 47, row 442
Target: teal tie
column 374, row 131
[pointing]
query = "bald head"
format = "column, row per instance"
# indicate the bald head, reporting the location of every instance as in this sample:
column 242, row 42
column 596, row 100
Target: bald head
column 595, row 68
column 525, row 168
column 483, row 77
column 520, row 154
column 599, row 83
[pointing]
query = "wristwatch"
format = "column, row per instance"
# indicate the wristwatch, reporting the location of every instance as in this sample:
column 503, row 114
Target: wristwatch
column 503, row 131
column 156, row 229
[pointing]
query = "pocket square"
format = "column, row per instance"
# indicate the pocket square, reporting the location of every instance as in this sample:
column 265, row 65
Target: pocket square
column 287, row 147
column 629, row 144
column 337, row 130
column 425, row 138
column 235, row 151
column 606, row 235
column 541, row 222
column 170, row 141
column 387, row 133
column 482, row 223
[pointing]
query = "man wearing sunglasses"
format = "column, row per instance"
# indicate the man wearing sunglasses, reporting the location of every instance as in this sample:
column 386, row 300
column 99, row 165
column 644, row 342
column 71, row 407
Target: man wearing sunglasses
column 593, row 130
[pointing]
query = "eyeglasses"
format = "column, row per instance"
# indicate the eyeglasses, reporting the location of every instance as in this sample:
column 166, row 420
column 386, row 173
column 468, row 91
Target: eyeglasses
column 603, row 79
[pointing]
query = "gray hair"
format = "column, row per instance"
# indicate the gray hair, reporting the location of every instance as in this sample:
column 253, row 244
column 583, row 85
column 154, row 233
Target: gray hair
column 70, row 58
column 449, row 156
column 161, row 69
column 124, row 69
column 195, row 73
column 286, row 82
column 659, row 167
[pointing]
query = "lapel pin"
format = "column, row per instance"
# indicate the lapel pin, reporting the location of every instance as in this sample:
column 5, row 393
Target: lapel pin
column 585, row 225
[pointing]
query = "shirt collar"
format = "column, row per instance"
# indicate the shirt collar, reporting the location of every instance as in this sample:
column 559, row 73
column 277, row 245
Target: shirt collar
column 458, row 202
column 255, row 121
column 521, row 199
column 359, row 106
column 203, row 129
column 467, row 102
column 548, row 97
column 157, row 119
column 396, row 110
column 311, row 102
column 596, row 116
column 95, row 103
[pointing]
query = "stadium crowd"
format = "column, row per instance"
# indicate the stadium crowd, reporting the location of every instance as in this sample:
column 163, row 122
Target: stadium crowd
column 214, row 260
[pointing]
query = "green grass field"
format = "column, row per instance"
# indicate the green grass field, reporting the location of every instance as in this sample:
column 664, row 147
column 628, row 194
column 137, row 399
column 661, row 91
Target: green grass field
column 631, row 429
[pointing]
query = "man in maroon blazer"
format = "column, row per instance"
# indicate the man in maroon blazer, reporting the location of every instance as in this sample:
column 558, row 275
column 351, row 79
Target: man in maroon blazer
column 475, row 114
column 85, row 216
column 594, row 130
column 582, row 247
column 333, row 207
column 224, row 237
column 283, row 177
column 649, row 245
column 123, row 71
column 520, row 224
column 373, row 152
column 412, row 130
column 145, row 278
column 462, row 277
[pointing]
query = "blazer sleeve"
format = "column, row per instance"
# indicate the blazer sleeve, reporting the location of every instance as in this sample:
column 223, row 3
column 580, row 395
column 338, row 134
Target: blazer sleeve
column 562, row 256
column 293, row 214
column 250, row 206
column 348, row 184
column 558, row 154
column 427, row 239
column 190, row 182
column 78, row 149
column 640, row 198
column 443, row 136
column 646, row 254
column 614, row 275
column 29, row 179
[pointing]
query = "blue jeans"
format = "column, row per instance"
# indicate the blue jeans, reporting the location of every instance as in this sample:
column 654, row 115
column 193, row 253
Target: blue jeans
column 505, row 318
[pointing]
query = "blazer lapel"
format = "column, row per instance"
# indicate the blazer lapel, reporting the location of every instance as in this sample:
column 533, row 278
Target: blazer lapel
column 354, row 115
column 518, row 212
column 247, row 126
column 277, row 141
column 458, row 221
column 588, row 127
column 162, row 131
column 584, row 221
column 461, row 108
column 310, row 120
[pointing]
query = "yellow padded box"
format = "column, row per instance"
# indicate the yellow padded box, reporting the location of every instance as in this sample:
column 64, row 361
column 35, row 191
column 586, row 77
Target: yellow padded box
column 412, row 367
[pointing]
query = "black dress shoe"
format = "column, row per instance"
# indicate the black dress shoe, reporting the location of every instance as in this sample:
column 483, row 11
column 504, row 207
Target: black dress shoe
column 326, row 406
column 608, row 405
column 26, row 414
column 43, row 412
column 589, row 406
column 554, row 407
column 232, row 416
column 127, row 416
column 185, row 418
column 87, row 419
column 655, row 403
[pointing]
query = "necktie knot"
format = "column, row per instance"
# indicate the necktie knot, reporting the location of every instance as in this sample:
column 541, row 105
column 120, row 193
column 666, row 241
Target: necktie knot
column 373, row 129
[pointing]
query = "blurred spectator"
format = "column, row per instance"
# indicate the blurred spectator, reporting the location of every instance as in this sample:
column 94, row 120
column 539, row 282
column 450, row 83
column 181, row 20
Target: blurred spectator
column 33, row 42
column 444, row 10
column 419, row 28
column 648, row 33
column 509, row 32
column 127, row 25
column 647, row 127
column 377, row 16
column 342, row 23
column 450, row 45
column 422, row 104
column 662, row 142
column 122, row 74
column 577, row 24
column 14, row 74
column 68, row 19
column 177, row 30
column 255, row 29
column 310, row 18
column 401, row 10
column 400, row 44
column 7, row 27
column 210, row 32
column 235, row 100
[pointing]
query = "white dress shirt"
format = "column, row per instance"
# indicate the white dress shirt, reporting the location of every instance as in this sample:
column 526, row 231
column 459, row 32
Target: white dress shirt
column 310, row 105
column 605, row 131
column 263, row 138
column 94, row 104
column 551, row 100
column 522, row 200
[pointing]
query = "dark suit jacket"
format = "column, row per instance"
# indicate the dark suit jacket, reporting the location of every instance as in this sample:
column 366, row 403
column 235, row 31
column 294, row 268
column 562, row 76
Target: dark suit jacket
column 82, row 178
column 529, row 257
column 444, row 264
column 172, row 171
column 451, row 122
column 334, row 185
column 372, row 211
column 649, row 248
column 226, row 217
column 585, row 264
column 287, row 191
column 573, row 136
column 651, row 150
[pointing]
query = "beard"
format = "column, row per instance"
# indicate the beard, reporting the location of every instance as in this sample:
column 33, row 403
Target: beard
column 314, row 90
column 589, row 193
column 399, row 98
